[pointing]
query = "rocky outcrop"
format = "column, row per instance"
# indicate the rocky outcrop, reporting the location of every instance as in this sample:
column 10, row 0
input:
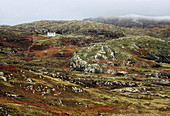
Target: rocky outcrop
column 124, row 52
column 2, row 76
column 81, row 65
column 94, row 59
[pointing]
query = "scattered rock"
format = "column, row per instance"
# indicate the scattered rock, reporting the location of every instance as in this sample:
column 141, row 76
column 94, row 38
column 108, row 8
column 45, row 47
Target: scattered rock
column 130, row 90
column 12, row 95
column 1, row 73
column 29, row 80
column 3, row 78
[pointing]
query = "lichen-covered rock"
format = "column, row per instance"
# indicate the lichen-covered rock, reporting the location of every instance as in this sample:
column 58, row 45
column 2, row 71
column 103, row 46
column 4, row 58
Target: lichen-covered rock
column 130, row 90
column 1, row 73
column 135, row 51
column 81, row 65
column 93, row 68
column 3, row 78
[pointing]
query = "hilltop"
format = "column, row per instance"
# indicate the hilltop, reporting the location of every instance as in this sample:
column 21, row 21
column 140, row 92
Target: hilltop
column 139, row 25
column 72, row 27
column 133, row 21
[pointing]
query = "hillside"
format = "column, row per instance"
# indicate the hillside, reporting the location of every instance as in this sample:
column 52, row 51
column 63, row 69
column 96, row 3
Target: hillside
column 139, row 25
column 70, row 27
column 124, row 53
column 88, row 68
column 133, row 21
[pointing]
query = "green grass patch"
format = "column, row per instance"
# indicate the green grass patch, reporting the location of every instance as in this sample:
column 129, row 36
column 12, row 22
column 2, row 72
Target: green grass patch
column 67, row 35
column 165, row 65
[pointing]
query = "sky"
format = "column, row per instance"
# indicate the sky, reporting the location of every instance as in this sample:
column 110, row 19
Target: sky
column 14, row 12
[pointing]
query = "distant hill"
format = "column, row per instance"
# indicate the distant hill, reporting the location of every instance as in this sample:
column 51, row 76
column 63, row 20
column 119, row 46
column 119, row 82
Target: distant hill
column 69, row 27
column 134, row 21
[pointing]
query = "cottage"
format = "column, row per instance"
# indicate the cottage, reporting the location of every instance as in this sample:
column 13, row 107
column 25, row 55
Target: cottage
column 51, row 34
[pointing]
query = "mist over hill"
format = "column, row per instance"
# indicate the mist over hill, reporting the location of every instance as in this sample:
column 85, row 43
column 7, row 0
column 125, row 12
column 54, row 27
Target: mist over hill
column 133, row 20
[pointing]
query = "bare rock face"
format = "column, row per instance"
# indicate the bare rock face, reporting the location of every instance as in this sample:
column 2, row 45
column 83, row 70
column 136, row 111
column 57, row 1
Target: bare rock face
column 82, row 65
column 2, row 76
column 95, row 59
column 88, row 58
column 93, row 68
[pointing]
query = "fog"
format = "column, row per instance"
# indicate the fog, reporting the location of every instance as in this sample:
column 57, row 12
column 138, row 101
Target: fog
column 139, row 17
column 14, row 12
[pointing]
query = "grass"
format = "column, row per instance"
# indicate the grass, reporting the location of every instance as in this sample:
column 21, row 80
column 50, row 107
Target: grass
column 124, row 48
column 75, row 93
column 165, row 65
column 67, row 35
column 104, row 100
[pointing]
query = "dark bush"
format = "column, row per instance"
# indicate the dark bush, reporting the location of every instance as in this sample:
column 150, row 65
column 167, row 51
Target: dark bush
column 155, row 65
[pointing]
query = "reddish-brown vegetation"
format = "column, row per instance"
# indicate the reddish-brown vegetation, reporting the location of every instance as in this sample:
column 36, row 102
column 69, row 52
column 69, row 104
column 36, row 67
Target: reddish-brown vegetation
column 98, row 108
column 8, row 67
column 149, row 62
column 6, row 43
column 33, row 37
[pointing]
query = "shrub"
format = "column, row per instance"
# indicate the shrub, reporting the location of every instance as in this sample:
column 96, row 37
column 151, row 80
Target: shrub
column 155, row 65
